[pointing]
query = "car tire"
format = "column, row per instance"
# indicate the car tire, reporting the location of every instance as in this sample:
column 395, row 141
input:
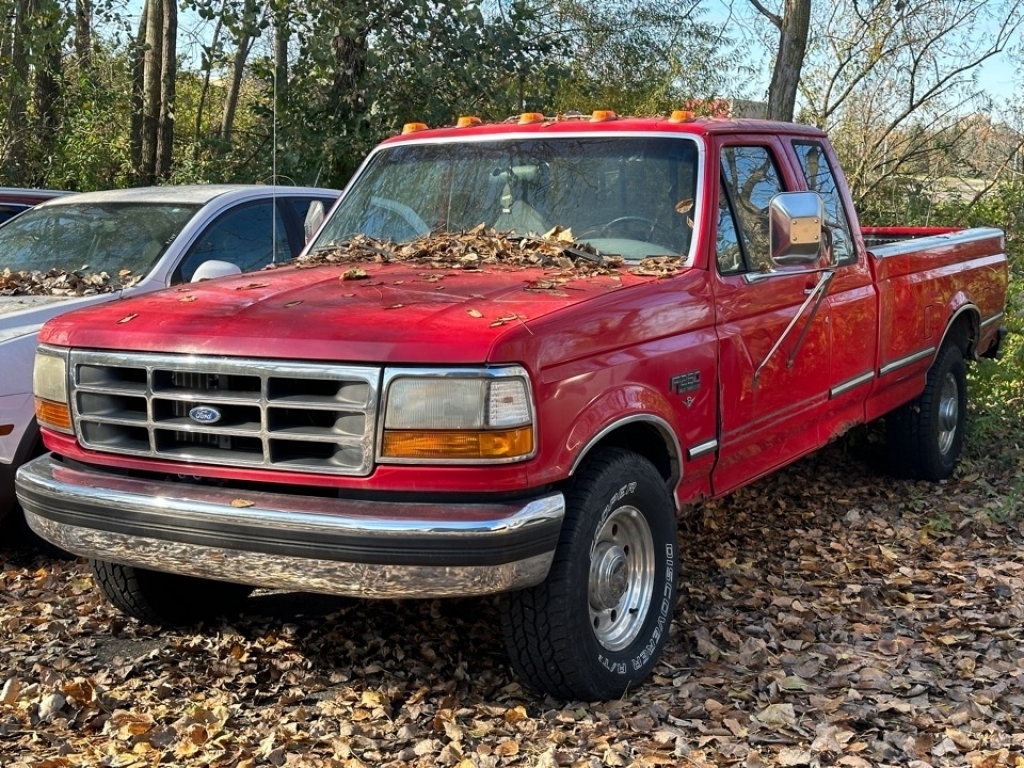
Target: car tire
column 166, row 599
column 599, row 622
column 924, row 438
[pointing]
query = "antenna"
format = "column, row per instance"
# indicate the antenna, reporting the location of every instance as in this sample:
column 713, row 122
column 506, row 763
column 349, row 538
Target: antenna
column 273, row 157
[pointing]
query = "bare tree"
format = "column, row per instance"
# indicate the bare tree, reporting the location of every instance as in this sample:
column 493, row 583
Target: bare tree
column 893, row 83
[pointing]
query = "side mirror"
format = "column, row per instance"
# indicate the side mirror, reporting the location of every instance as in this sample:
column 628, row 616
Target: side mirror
column 213, row 268
column 795, row 228
column 314, row 218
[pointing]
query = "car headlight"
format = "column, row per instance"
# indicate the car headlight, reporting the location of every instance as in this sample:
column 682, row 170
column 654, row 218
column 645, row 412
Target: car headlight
column 456, row 416
column 50, row 386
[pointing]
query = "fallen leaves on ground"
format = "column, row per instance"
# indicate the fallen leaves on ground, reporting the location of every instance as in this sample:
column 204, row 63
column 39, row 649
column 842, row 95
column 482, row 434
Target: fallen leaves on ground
column 59, row 282
column 828, row 616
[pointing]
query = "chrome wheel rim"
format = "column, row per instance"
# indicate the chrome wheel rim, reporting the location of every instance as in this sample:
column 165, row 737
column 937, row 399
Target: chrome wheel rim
column 949, row 412
column 621, row 578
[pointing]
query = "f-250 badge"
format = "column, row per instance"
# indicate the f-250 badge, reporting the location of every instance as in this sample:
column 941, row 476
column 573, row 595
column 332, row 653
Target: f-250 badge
column 685, row 382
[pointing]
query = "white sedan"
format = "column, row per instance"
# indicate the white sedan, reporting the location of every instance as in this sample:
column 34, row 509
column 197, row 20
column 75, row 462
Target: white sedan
column 115, row 244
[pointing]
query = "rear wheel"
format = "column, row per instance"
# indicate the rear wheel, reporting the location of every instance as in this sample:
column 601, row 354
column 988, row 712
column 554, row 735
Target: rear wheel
column 166, row 598
column 597, row 625
column 925, row 437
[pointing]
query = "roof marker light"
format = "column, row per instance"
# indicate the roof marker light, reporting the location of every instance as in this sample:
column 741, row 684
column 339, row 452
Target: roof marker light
column 602, row 115
column 682, row 116
column 413, row 127
column 531, row 117
column 467, row 121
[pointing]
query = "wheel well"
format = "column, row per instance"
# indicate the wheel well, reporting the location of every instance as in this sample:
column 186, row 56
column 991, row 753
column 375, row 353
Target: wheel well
column 648, row 440
column 963, row 331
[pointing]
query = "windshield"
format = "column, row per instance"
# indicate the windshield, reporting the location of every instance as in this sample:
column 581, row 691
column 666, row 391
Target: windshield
column 624, row 195
column 94, row 238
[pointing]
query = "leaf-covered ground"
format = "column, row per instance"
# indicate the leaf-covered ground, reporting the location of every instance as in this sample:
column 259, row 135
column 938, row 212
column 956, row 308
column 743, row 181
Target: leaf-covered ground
column 828, row 615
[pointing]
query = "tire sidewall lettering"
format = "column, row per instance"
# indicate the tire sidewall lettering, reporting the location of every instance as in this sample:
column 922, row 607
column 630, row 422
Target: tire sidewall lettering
column 637, row 658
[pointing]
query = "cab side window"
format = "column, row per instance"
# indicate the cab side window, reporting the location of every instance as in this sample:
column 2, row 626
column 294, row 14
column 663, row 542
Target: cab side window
column 727, row 241
column 247, row 236
column 750, row 179
column 820, row 178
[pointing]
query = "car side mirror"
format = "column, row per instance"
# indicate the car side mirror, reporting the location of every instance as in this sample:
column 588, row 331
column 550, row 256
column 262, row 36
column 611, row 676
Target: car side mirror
column 796, row 229
column 214, row 268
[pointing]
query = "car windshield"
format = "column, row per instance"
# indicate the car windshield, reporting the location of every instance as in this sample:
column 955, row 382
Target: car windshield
column 94, row 238
column 629, row 196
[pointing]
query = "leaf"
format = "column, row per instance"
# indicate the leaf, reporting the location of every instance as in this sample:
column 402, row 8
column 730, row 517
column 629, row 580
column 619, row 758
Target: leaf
column 778, row 715
column 474, row 313
column 128, row 318
column 187, row 298
column 293, row 303
column 242, row 503
column 507, row 748
column 355, row 273
column 251, row 286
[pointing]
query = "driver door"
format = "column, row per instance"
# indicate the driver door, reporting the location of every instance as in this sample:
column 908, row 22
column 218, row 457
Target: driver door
column 774, row 360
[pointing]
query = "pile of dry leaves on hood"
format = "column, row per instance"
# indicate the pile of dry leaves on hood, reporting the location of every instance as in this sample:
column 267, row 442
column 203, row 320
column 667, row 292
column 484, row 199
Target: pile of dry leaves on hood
column 481, row 247
column 59, row 282
column 828, row 616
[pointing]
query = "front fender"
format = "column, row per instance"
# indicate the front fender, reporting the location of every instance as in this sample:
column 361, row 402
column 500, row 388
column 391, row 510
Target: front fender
column 616, row 409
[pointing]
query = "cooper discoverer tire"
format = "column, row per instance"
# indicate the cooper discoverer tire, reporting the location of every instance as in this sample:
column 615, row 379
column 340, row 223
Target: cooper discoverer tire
column 924, row 438
column 166, row 599
column 599, row 622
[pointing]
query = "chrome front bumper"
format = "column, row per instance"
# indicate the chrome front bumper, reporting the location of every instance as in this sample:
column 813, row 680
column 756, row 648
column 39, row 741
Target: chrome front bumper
column 280, row 541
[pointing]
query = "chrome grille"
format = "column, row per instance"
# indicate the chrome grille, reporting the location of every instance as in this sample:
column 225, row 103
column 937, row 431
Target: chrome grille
column 272, row 414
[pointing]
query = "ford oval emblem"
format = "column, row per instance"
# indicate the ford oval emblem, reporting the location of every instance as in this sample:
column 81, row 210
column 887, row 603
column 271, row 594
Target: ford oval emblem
column 204, row 414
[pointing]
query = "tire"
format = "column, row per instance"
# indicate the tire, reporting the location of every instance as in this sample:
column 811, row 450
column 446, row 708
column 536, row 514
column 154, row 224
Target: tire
column 573, row 636
column 166, row 599
column 925, row 437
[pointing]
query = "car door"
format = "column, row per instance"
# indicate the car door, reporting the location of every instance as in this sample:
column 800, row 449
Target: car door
column 774, row 346
column 251, row 235
column 852, row 296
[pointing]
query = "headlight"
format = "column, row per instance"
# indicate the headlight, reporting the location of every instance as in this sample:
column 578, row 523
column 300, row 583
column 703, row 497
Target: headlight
column 457, row 416
column 50, row 385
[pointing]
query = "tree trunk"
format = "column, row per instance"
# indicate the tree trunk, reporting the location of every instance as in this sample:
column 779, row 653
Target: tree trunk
column 83, row 33
column 245, row 39
column 17, row 82
column 168, row 76
column 151, row 69
column 793, row 26
column 282, row 33
column 138, row 97
column 204, row 93
column 47, row 101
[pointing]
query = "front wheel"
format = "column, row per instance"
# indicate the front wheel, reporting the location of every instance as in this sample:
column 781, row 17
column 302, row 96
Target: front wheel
column 599, row 622
column 167, row 599
column 924, row 438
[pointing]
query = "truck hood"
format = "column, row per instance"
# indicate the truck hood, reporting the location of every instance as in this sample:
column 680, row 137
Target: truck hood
column 398, row 313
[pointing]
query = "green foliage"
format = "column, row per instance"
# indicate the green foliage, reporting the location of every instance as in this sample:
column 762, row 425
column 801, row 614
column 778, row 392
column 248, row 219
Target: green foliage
column 636, row 57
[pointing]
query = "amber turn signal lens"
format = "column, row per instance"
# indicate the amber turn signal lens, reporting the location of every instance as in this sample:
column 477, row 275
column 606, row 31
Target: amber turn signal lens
column 6, row 429
column 531, row 117
column 413, row 127
column 681, row 116
column 467, row 121
column 601, row 115
column 51, row 414
column 458, row 444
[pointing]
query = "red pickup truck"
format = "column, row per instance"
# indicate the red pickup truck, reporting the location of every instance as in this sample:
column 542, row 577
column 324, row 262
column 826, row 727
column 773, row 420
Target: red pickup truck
column 510, row 357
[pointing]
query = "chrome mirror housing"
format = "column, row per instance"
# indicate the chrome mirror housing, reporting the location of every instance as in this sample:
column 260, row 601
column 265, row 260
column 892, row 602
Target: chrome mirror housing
column 796, row 228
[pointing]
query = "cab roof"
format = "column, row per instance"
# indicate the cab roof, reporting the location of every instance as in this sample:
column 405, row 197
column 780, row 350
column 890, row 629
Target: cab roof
column 600, row 122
